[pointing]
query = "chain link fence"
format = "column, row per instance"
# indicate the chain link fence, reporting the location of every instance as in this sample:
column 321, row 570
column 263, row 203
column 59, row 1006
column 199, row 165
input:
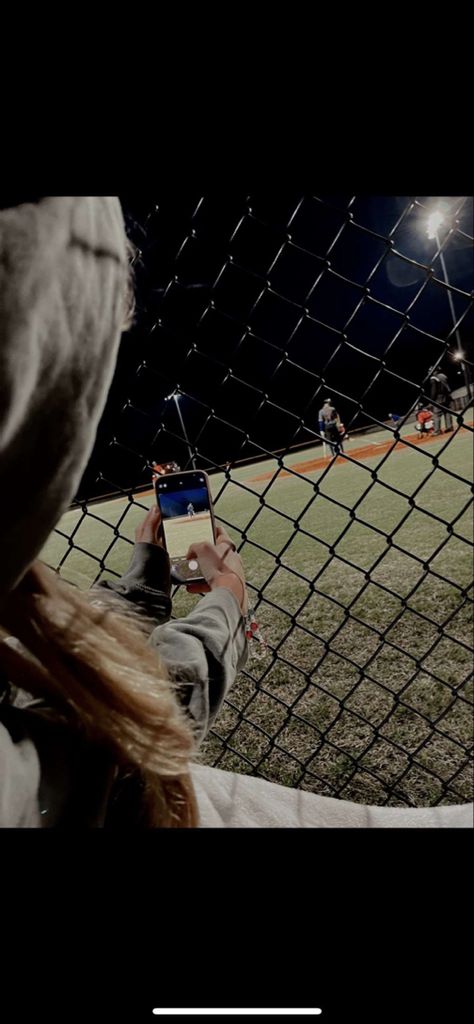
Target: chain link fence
column 250, row 312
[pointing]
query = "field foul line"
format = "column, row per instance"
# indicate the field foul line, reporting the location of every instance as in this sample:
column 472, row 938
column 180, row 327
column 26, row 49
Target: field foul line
column 358, row 454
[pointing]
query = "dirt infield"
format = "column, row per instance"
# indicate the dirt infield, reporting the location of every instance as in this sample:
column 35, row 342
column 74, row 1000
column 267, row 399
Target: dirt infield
column 182, row 531
column 186, row 519
column 367, row 452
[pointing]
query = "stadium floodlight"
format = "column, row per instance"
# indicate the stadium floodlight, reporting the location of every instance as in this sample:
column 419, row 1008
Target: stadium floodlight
column 433, row 224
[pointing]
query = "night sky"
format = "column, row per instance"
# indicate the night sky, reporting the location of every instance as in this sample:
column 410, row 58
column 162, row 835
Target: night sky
column 290, row 297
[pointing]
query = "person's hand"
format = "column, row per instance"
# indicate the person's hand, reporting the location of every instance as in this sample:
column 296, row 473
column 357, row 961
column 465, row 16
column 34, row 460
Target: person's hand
column 221, row 566
column 149, row 530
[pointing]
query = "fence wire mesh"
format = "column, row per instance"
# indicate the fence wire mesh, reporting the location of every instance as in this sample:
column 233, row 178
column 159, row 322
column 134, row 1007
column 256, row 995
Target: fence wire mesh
column 250, row 312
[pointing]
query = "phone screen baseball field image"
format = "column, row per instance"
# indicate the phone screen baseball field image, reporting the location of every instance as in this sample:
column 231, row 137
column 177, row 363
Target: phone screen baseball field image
column 186, row 513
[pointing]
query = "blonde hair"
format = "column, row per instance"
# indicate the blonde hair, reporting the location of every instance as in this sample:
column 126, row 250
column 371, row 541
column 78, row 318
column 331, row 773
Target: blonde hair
column 95, row 669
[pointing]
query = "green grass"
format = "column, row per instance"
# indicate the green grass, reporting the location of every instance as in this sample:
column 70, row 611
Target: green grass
column 374, row 705
column 181, row 533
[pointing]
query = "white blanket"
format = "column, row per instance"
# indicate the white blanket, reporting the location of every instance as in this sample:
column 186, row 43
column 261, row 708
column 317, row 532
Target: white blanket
column 227, row 800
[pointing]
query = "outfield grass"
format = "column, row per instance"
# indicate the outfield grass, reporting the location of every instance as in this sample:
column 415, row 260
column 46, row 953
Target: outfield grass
column 348, row 704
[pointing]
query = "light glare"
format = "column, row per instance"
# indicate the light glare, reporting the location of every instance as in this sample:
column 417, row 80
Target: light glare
column 434, row 223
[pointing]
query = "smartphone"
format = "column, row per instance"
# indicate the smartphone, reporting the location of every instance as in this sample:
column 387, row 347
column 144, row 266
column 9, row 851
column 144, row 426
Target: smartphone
column 187, row 517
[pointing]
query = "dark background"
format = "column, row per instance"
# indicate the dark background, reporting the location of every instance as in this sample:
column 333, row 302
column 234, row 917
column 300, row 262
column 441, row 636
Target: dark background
column 363, row 927
column 175, row 503
column 258, row 307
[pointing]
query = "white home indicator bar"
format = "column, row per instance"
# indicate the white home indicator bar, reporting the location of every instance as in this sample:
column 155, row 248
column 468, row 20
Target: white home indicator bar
column 233, row 1012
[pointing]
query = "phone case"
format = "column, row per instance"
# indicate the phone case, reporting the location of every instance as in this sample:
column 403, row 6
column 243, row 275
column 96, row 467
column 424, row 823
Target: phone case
column 181, row 573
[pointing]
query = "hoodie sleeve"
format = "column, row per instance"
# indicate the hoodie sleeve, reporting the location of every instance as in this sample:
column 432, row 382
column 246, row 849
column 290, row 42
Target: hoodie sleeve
column 146, row 583
column 203, row 654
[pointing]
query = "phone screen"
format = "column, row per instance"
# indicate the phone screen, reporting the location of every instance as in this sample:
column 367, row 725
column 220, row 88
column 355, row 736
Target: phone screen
column 186, row 517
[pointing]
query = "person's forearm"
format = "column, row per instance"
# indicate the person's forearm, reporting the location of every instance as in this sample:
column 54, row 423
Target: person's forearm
column 204, row 652
column 146, row 583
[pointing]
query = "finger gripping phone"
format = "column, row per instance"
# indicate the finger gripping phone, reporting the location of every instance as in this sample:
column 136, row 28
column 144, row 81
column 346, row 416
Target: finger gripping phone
column 187, row 517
